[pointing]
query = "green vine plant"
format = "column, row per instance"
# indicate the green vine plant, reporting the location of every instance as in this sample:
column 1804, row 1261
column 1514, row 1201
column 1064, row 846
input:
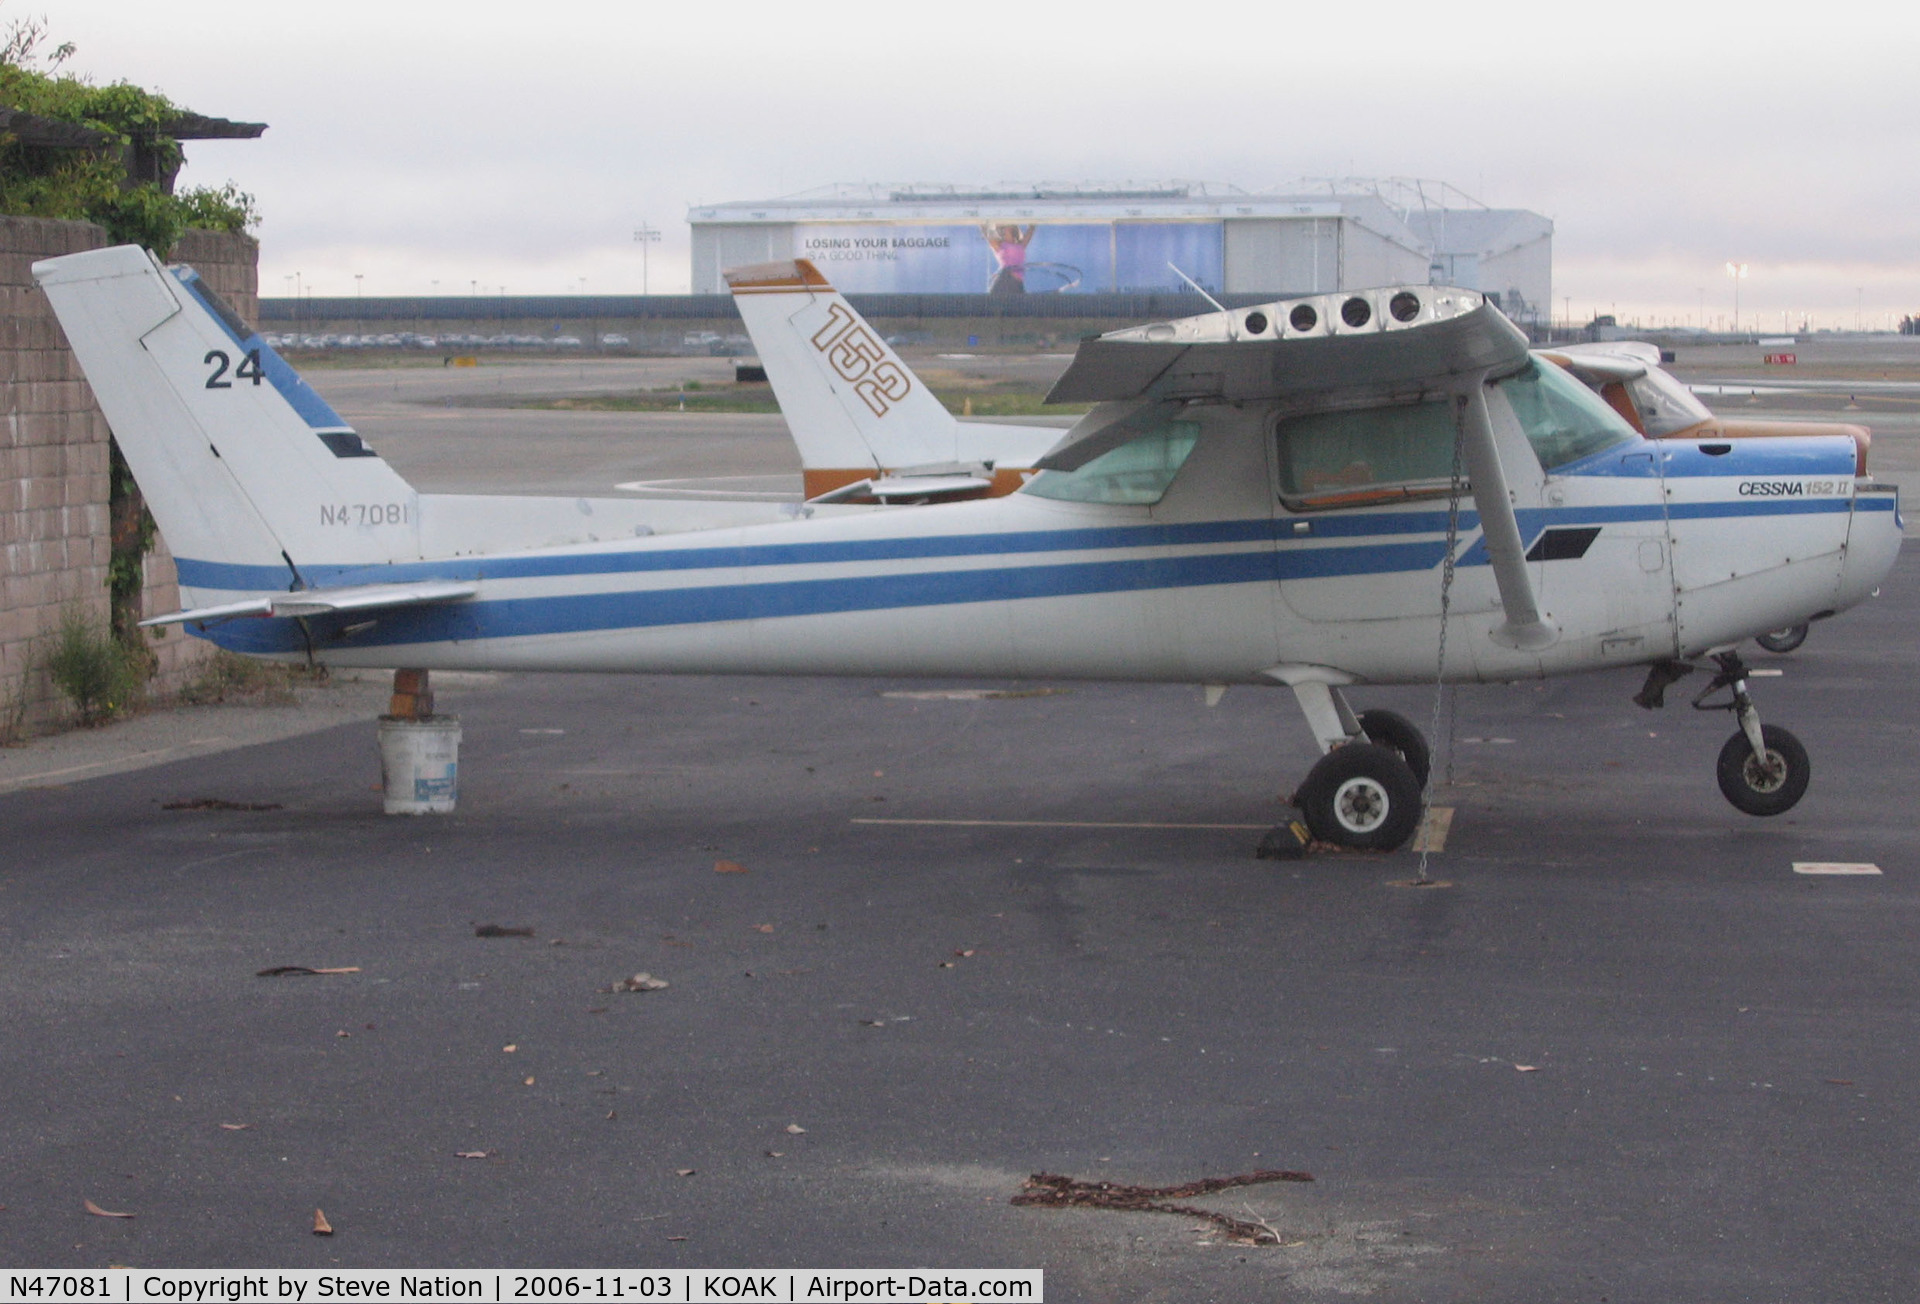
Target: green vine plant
column 94, row 184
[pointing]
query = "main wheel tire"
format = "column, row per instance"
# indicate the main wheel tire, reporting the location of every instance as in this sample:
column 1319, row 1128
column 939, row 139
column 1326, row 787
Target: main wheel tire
column 1783, row 640
column 1770, row 788
column 1361, row 795
column 1393, row 730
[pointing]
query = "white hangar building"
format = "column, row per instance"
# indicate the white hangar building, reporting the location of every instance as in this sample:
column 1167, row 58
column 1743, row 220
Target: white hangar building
column 1079, row 239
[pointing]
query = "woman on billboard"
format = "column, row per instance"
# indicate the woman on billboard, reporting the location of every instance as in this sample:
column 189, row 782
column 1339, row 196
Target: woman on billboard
column 1009, row 244
column 1011, row 276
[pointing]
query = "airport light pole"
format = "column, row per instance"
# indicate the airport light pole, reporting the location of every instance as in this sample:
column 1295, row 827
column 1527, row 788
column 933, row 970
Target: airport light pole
column 646, row 236
column 1738, row 271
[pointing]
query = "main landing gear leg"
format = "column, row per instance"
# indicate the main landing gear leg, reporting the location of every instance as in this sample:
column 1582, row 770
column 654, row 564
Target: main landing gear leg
column 1362, row 792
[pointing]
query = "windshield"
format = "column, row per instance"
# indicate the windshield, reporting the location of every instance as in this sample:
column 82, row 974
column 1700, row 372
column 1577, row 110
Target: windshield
column 1564, row 420
column 1664, row 404
column 1138, row 472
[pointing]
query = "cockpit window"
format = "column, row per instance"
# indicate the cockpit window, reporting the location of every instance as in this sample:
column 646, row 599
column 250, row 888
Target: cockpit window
column 1138, row 472
column 1563, row 419
column 1369, row 455
column 1665, row 405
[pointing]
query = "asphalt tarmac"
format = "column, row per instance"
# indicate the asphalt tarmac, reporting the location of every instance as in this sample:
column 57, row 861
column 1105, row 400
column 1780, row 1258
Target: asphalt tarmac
column 1626, row 1052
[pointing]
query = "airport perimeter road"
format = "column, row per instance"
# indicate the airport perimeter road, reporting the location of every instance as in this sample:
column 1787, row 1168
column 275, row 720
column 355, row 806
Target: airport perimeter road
column 1627, row 1053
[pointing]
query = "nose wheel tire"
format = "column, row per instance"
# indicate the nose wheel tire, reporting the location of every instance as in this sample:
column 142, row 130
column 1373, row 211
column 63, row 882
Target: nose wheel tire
column 1769, row 786
column 1783, row 640
column 1362, row 795
column 1392, row 730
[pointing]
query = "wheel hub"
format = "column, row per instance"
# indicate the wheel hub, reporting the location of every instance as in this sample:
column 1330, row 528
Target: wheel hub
column 1360, row 804
column 1769, row 776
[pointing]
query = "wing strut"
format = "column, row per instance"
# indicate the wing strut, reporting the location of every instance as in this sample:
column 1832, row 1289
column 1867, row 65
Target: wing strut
column 1525, row 626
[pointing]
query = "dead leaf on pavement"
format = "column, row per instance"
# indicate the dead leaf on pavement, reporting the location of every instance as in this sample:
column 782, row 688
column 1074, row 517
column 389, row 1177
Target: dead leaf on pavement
column 763, row 928
column 509, row 1048
column 776, row 1154
column 1526, row 1068
column 321, row 1227
column 796, row 1129
column 640, row 982
column 236, row 1127
column 529, row 1081
column 676, row 1238
column 685, row 1172
column 98, row 1212
column 728, row 867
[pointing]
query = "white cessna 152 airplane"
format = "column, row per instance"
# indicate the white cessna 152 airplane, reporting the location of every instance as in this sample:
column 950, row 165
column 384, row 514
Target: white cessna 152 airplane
column 1376, row 487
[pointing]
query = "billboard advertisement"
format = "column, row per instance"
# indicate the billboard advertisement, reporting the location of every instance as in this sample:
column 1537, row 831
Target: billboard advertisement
column 1005, row 258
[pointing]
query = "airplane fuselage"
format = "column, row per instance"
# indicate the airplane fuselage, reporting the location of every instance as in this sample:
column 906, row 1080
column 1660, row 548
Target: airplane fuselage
column 1647, row 551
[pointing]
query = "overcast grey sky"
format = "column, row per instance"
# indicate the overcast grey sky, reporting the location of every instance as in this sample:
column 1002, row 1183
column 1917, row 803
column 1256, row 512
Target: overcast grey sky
column 418, row 141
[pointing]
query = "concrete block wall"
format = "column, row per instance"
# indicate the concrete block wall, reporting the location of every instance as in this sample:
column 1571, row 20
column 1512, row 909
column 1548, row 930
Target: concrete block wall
column 54, row 544
column 54, row 531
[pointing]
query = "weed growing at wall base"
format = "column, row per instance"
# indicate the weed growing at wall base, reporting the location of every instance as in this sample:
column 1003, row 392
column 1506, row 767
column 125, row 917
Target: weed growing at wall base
column 98, row 673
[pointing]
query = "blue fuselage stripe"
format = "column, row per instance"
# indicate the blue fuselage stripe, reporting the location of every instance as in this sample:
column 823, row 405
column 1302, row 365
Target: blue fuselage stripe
column 241, row 578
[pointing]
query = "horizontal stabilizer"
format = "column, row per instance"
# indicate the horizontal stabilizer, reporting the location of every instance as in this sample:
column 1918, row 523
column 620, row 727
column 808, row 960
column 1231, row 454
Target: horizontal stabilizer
column 323, row 602
column 890, row 488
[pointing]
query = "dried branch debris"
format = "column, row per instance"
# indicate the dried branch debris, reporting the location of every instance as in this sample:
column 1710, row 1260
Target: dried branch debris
column 1051, row 1190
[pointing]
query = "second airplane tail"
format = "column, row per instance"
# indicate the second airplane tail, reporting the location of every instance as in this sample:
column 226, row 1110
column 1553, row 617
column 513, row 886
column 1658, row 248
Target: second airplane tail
column 854, row 407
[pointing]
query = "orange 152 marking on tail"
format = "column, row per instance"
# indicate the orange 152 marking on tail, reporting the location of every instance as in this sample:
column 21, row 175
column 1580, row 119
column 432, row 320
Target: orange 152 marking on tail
column 858, row 358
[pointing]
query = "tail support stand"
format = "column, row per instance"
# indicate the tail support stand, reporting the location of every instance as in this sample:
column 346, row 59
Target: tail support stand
column 419, row 751
column 412, row 695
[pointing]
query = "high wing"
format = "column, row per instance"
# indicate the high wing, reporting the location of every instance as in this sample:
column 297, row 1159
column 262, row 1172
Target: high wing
column 1410, row 338
column 1323, row 350
column 326, row 602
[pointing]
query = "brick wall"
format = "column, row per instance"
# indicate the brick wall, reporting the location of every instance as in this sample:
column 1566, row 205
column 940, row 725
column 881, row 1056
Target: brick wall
column 54, row 542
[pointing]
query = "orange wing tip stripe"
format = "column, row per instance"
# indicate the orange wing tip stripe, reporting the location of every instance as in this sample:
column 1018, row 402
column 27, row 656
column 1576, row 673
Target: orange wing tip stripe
column 777, row 278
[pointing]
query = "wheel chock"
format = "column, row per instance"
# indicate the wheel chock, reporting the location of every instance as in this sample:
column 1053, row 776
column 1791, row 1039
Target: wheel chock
column 1287, row 841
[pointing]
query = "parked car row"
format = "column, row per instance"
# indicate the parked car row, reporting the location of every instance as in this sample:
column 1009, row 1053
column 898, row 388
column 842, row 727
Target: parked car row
column 414, row 340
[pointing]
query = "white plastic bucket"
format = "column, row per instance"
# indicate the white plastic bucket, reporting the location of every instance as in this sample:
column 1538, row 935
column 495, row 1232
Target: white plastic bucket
column 420, row 764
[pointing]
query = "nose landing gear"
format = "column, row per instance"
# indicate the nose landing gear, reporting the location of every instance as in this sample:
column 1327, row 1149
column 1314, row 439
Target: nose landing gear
column 1763, row 769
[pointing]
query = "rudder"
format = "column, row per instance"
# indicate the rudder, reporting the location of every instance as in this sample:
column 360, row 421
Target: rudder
column 253, row 479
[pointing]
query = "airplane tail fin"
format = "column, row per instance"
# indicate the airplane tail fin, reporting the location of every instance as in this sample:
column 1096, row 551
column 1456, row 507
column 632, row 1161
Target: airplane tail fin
column 854, row 407
column 254, row 481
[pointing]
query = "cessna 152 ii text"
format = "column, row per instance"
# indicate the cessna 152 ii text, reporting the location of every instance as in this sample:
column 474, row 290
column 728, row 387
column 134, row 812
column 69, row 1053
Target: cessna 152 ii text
column 1376, row 487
